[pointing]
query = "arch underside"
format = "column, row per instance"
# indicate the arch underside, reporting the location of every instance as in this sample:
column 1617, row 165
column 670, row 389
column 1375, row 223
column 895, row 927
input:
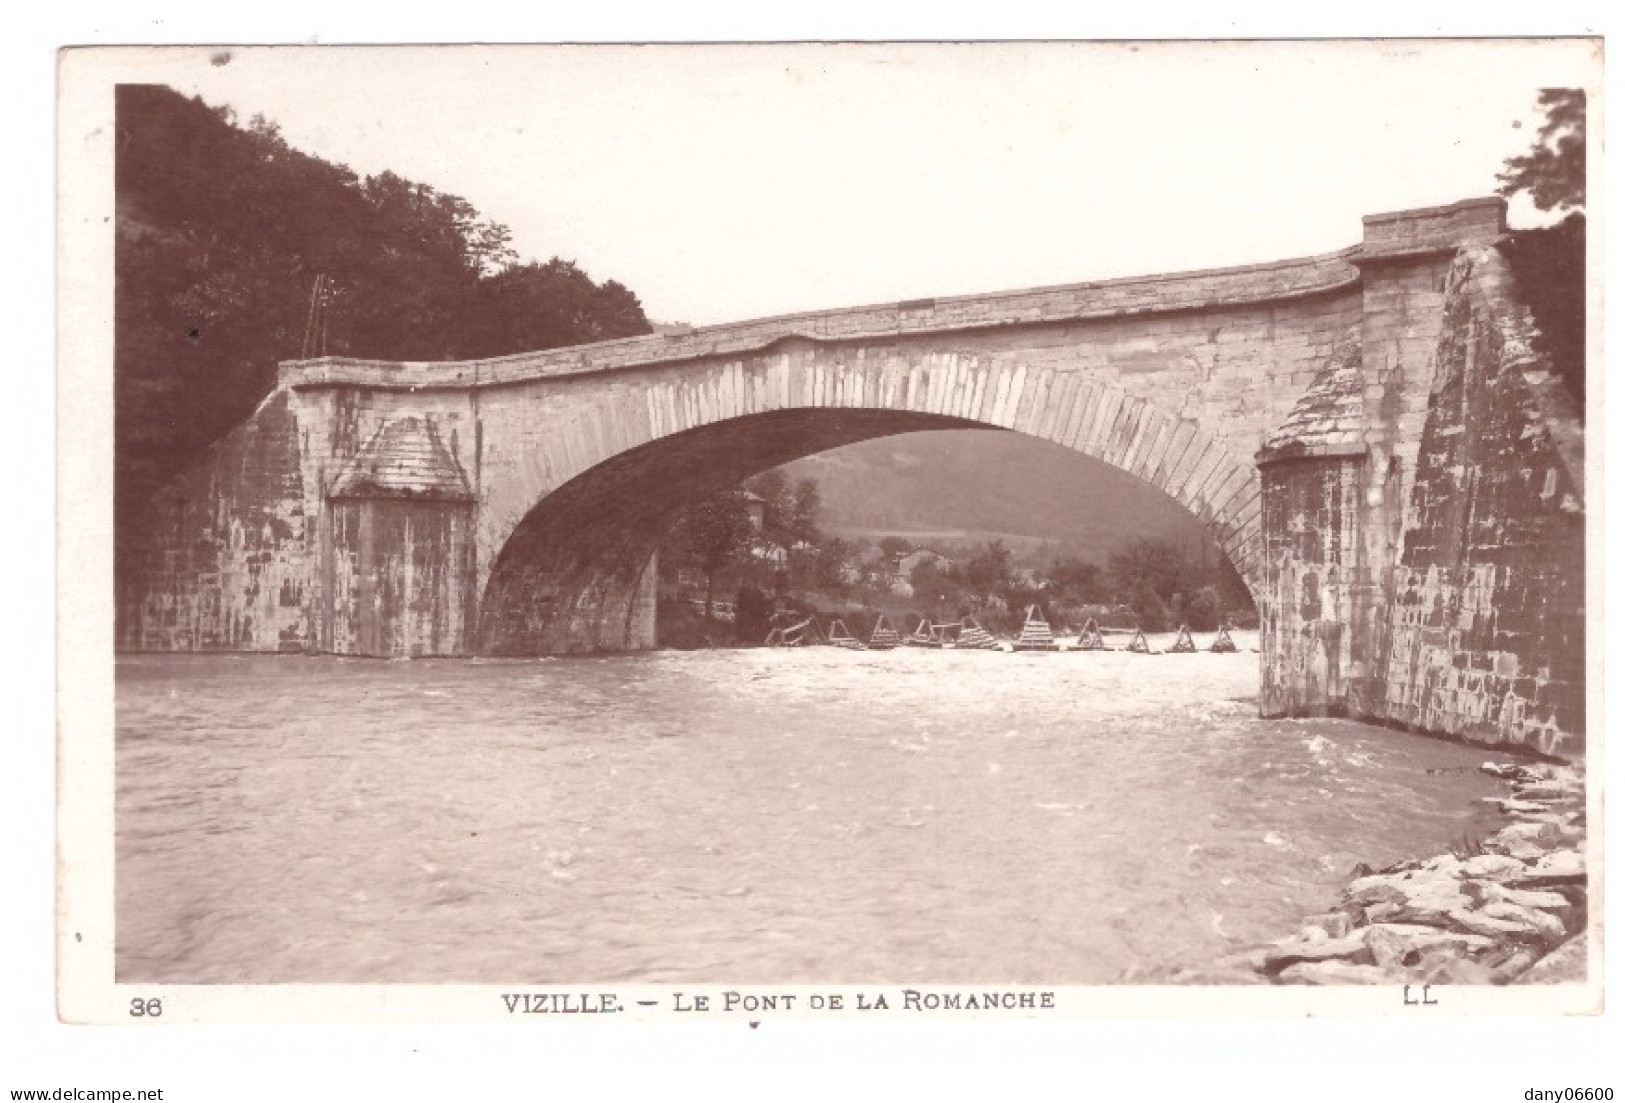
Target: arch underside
column 574, row 575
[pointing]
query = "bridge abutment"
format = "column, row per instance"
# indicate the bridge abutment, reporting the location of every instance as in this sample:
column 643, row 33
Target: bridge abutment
column 1423, row 512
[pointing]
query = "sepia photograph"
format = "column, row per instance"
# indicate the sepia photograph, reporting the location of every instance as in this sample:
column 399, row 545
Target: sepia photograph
column 989, row 529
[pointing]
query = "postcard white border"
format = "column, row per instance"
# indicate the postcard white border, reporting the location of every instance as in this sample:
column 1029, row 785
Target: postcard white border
column 84, row 402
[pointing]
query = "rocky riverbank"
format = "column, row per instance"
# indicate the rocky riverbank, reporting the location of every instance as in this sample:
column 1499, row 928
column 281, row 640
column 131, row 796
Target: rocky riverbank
column 1511, row 908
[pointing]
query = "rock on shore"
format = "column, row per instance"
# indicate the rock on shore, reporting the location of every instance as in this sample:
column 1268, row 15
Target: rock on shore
column 1512, row 910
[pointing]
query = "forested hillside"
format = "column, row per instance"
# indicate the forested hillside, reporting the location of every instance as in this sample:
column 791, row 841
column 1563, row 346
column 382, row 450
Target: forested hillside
column 222, row 230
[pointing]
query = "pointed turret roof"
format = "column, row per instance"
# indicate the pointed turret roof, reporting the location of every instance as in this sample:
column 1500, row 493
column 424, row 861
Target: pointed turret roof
column 404, row 459
column 1330, row 417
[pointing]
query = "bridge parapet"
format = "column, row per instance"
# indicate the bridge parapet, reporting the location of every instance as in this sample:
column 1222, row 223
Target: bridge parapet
column 1388, row 237
column 1431, row 231
column 1209, row 289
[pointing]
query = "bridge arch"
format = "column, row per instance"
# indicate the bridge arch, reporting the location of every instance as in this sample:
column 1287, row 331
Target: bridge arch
column 571, row 527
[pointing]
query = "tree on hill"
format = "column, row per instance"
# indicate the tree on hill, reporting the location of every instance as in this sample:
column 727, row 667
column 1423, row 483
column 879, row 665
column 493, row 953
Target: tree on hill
column 1205, row 610
column 1148, row 565
column 987, row 573
column 711, row 535
column 893, row 548
column 1075, row 581
column 829, row 565
column 793, row 510
column 1165, row 585
column 940, row 585
column 1549, row 262
column 1150, row 608
column 1553, row 172
column 221, row 231
column 536, row 306
column 800, row 520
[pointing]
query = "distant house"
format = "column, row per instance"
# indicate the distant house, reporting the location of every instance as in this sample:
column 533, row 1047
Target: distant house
column 756, row 506
column 766, row 551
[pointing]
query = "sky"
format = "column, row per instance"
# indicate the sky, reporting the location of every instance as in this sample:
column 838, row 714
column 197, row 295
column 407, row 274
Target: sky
column 729, row 182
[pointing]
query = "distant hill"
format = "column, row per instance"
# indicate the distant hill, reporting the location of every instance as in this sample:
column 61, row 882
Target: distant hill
column 968, row 486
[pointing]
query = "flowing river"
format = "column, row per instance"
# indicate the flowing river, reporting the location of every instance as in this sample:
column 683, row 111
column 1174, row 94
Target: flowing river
column 747, row 816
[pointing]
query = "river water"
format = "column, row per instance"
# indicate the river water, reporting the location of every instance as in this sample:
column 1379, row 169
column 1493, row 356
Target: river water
column 748, row 816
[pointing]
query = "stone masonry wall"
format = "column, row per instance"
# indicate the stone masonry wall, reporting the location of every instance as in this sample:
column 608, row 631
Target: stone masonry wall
column 1309, row 613
column 1488, row 616
column 227, row 564
column 1315, row 600
column 400, row 573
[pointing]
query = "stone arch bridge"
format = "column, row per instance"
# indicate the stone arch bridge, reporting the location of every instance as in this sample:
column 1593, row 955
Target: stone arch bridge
column 1370, row 435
